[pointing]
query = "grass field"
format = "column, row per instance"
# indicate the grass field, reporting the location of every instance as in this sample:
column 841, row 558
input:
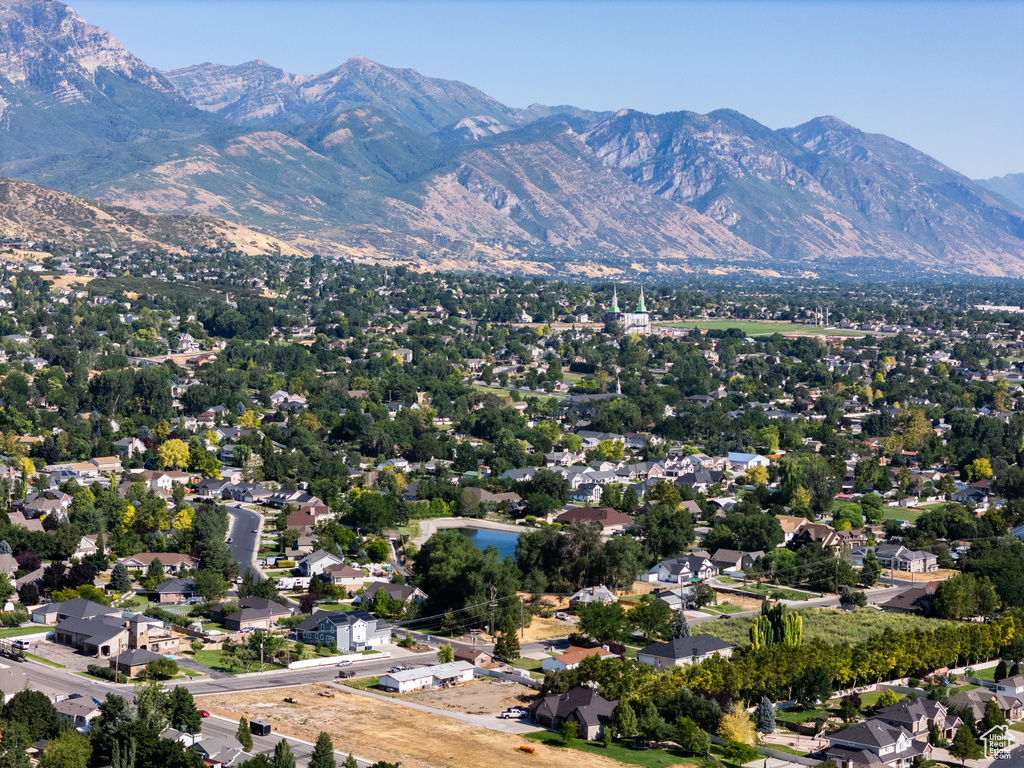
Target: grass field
column 901, row 513
column 760, row 327
column 212, row 659
column 522, row 395
column 722, row 608
column 649, row 758
column 35, row 629
column 828, row 624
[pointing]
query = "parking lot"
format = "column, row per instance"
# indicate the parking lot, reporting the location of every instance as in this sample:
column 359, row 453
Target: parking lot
column 62, row 654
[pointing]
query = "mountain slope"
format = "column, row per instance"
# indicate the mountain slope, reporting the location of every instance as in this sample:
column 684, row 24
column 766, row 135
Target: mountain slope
column 377, row 162
column 30, row 212
column 1010, row 186
column 821, row 191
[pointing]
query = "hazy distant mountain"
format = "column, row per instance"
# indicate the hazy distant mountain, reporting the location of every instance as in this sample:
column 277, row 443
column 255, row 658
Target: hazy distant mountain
column 372, row 161
column 1010, row 186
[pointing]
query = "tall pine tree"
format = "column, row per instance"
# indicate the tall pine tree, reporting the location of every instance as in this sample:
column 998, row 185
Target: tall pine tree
column 243, row 734
column 323, row 753
column 765, row 716
column 680, row 626
column 283, row 757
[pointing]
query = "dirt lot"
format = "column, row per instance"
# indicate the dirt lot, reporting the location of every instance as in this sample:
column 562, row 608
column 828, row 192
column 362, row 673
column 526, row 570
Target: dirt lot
column 740, row 601
column 383, row 730
column 480, row 697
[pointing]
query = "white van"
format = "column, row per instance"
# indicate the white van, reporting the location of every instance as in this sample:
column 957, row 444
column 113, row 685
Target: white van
column 21, row 644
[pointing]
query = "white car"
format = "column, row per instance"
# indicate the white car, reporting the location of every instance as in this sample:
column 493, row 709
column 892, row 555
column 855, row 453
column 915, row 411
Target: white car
column 345, row 663
column 562, row 615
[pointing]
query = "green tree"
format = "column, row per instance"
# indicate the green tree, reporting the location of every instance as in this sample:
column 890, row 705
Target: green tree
column 445, row 653
column 174, row 454
column 507, row 647
column 765, row 716
column 182, row 712
column 691, row 737
column 323, row 752
column 120, row 579
column 35, row 711
column 887, row 699
column 69, row 749
column 160, row 669
column 350, row 762
column 283, row 757
column 871, row 570
column 244, row 734
column 680, row 627
column 964, row 747
column 568, row 731
column 601, row 622
column 624, row 720
column 848, row 710
column 993, row 716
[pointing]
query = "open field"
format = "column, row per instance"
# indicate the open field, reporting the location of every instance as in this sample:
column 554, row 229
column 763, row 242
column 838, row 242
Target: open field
column 826, row 623
column 760, row 327
column 381, row 729
column 903, row 513
column 480, row 697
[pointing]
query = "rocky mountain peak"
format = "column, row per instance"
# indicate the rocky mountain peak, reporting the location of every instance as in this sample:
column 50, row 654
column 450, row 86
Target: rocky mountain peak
column 45, row 45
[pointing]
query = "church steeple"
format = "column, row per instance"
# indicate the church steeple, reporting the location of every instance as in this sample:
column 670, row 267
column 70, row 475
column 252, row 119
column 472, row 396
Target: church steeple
column 615, row 299
column 641, row 307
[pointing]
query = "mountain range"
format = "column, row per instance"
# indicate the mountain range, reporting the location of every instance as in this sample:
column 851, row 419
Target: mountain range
column 368, row 161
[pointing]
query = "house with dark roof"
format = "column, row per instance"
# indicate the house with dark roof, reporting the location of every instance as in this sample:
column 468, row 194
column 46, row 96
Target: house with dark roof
column 317, row 562
column 177, row 591
column 683, row 651
column 681, row 569
column 610, row 520
column 173, row 562
column 255, row 613
column 99, row 637
column 403, row 593
column 350, row 631
column 975, row 700
column 591, row 712
column 920, row 716
column 734, row 560
column 875, row 743
column 343, row 575
column 817, row 533
column 76, row 607
column 478, row 657
column 133, row 662
column 80, row 711
column 915, row 600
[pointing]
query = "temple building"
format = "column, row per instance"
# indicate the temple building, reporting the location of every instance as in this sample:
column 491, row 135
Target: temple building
column 628, row 322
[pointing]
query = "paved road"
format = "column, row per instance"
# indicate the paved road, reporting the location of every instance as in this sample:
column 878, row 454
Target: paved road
column 65, row 680
column 244, row 546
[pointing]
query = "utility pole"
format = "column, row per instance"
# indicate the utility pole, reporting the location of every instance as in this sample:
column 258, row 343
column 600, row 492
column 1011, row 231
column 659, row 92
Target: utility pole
column 522, row 621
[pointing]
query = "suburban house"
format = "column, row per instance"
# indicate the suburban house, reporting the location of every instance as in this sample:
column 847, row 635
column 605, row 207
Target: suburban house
column 317, row 563
column 132, row 662
column 683, row 651
column 610, row 520
column 172, row 562
column 80, row 711
column 403, row 593
column 255, row 613
column 920, row 716
column 741, row 462
column 897, row 557
column 916, row 600
column 572, row 658
column 817, row 533
column 1010, row 706
column 342, row 575
column 790, row 525
column 682, row 568
column 77, row 608
column 1011, row 686
column 99, row 637
column 478, row 657
column 176, row 591
column 351, row 632
column 587, row 595
column 591, row 712
column 148, row 634
column 873, row 743
column 435, row 676
column 731, row 560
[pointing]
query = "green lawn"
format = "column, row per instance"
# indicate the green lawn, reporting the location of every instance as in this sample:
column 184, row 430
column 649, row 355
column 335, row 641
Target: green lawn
column 364, row 683
column 725, row 607
column 760, row 327
column 900, row 513
column 767, row 589
column 650, row 758
column 212, row 659
column 45, row 661
column 871, row 699
column 985, row 674
column 533, row 665
column 35, row 629
column 1019, row 727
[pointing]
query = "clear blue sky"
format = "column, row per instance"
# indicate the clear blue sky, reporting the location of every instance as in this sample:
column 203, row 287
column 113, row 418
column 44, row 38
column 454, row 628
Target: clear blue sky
column 946, row 77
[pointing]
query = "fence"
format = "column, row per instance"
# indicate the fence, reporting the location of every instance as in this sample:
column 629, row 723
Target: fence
column 507, row 676
column 327, row 661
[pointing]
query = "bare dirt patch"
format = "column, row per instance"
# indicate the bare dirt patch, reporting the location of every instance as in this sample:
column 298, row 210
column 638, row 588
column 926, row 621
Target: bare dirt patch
column 69, row 282
column 378, row 729
column 746, row 603
column 480, row 697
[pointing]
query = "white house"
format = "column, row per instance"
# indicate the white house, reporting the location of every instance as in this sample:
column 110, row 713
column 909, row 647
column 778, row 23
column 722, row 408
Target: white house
column 681, row 569
column 572, row 658
column 741, row 462
column 1011, row 686
column 428, row 677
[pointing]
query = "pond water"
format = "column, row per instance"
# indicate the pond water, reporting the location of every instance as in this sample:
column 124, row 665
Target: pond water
column 504, row 541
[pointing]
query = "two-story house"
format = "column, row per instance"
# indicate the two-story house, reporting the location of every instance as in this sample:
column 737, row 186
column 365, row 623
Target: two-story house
column 350, row 631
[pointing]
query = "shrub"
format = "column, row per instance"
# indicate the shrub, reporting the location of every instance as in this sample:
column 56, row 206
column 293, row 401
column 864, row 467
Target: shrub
column 739, row 754
column 106, row 673
column 285, row 564
column 14, row 618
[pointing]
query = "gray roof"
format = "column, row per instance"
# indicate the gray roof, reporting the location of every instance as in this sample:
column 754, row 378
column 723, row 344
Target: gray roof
column 137, row 657
column 97, row 630
column 872, row 733
column 686, row 647
column 176, row 586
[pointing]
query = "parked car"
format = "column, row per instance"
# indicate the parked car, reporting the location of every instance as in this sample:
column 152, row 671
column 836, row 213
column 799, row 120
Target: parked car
column 562, row 615
column 513, row 713
column 345, row 663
